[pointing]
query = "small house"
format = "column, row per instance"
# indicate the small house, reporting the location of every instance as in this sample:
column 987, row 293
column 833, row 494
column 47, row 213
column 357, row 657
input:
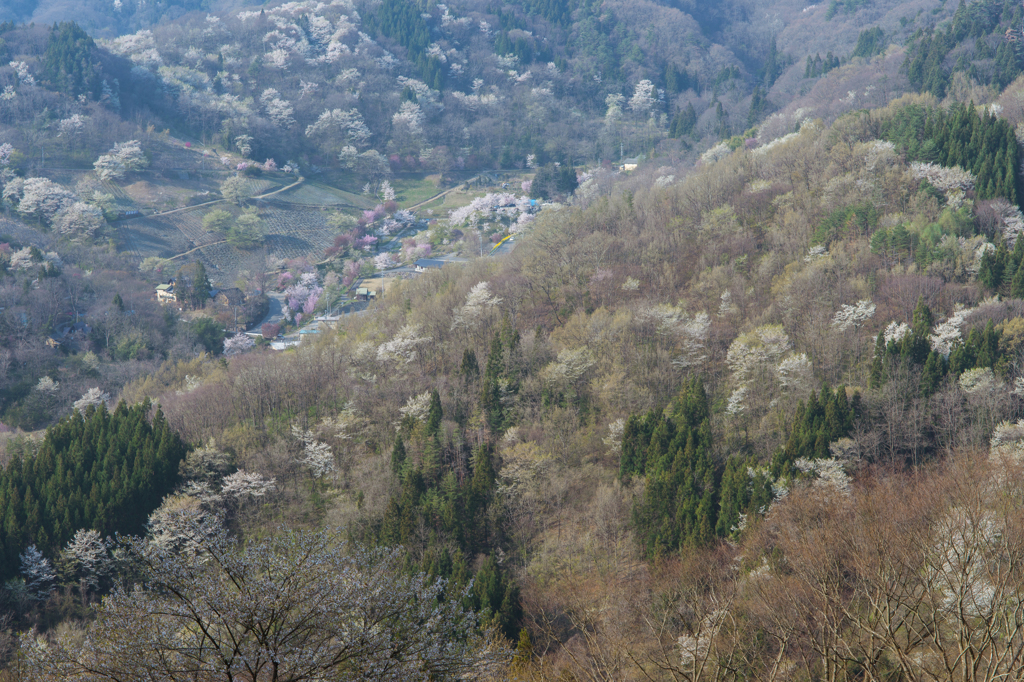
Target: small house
column 230, row 297
column 628, row 165
column 165, row 293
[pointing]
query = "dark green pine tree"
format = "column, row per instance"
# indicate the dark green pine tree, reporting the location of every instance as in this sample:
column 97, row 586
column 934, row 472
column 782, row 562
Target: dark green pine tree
column 684, row 122
column 993, row 263
column 1017, row 282
column 470, row 368
column 722, row 122
column 100, row 470
column 69, row 63
column 679, row 505
column 496, row 597
column 491, row 393
column 434, row 414
column 825, row 418
column 773, row 65
column 398, row 456
column 931, row 374
column 923, row 318
column 759, row 106
column 201, row 286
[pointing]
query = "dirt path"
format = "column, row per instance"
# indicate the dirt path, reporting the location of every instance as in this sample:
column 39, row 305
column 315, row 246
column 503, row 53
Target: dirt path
column 282, row 189
column 210, row 203
column 217, row 201
column 185, row 253
column 438, row 196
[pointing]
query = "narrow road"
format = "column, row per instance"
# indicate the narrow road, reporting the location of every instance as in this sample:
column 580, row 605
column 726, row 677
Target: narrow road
column 275, row 311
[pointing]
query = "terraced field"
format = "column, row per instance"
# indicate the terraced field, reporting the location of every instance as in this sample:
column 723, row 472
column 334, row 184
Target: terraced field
column 314, row 194
column 256, row 186
column 145, row 237
column 290, row 233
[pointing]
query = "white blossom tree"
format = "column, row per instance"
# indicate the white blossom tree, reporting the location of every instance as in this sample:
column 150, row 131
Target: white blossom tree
column 479, row 303
column 243, row 484
column 38, row 573
column 895, row 331
column 71, row 129
column 417, row 407
column 277, row 109
column 235, row 189
column 239, row 343
column 316, row 455
column 384, row 261
column 643, row 98
column 337, row 128
column 38, row 198
column 244, row 144
column 88, row 557
column 124, row 158
column 853, row 316
column 79, row 221
column 94, row 396
column 47, row 385
column 182, row 524
column 403, row 348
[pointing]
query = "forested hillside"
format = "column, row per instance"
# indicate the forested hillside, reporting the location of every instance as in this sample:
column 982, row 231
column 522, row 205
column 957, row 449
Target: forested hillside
column 604, row 400
column 751, row 409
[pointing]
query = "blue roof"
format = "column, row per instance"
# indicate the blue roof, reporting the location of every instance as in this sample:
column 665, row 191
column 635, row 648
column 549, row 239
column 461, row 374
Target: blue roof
column 429, row 263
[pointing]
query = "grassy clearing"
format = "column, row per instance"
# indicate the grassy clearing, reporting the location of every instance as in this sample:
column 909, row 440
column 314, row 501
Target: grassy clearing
column 411, row 190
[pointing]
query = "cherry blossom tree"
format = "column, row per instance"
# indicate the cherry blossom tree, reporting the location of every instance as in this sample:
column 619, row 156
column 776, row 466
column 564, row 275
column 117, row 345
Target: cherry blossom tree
column 244, row 144
column 853, row 316
column 70, row 129
column 79, row 221
column 38, row 198
column 304, row 295
column 277, row 109
column 38, row 573
column 316, row 455
column 403, row 348
column 479, row 302
column 337, row 128
column 124, row 158
column 239, row 343
column 242, row 484
column 88, row 557
column 235, row 189
column 94, row 396
column 643, row 98
column 384, row 261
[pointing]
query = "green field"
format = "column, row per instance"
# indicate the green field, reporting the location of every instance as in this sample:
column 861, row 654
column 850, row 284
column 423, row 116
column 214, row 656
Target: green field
column 413, row 189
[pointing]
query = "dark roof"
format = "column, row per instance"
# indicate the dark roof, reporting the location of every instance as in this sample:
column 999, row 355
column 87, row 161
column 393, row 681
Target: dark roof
column 429, row 263
column 233, row 295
